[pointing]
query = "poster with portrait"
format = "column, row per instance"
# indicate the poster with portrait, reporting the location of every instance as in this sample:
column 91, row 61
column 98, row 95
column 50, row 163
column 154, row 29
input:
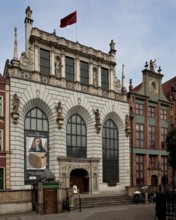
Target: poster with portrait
column 36, row 154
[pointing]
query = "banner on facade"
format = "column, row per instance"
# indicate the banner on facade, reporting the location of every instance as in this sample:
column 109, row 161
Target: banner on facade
column 36, row 155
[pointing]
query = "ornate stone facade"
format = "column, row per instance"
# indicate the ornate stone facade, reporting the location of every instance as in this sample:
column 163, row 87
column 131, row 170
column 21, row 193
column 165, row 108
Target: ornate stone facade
column 52, row 99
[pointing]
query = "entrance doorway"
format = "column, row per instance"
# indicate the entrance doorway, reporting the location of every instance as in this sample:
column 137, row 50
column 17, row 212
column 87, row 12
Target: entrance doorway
column 80, row 178
column 154, row 180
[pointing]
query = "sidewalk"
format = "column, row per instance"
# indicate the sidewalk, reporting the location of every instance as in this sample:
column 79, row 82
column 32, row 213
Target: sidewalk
column 125, row 212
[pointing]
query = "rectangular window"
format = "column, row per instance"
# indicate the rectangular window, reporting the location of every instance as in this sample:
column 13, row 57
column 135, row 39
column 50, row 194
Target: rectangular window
column 44, row 62
column 163, row 137
column 1, row 146
column 104, row 79
column 69, row 69
column 152, row 162
column 151, row 111
column 1, row 106
column 164, row 167
column 139, row 135
column 139, row 109
column 151, row 136
column 1, row 178
column 163, row 113
column 139, row 170
column 84, row 73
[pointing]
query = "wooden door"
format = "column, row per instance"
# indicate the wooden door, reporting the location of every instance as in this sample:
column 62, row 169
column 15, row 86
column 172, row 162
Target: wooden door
column 49, row 201
column 79, row 182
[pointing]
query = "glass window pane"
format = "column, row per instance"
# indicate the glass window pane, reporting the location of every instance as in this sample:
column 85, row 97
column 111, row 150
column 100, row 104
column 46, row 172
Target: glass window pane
column 68, row 128
column 27, row 123
column 39, row 113
column 33, row 124
column 83, row 130
column 73, row 119
column 73, row 140
column 45, row 125
column 68, row 140
column 79, row 141
column 84, row 144
column 73, row 128
column 78, row 129
column 39, row 124
column 78, row 119
column 33, row 113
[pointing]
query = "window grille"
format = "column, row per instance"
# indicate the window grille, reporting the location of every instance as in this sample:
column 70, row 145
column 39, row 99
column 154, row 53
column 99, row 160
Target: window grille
column 110, row 141
column 76, row 137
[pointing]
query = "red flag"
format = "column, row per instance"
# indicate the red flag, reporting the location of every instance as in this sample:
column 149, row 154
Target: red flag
column 68, row 20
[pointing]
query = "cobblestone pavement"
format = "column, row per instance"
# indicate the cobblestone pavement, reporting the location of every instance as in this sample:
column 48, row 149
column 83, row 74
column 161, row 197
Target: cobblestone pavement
column 125, row 212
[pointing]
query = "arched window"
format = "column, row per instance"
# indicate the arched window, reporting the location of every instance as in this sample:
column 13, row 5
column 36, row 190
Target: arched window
column 76, row 137
column 36, row 144
column 110, row 140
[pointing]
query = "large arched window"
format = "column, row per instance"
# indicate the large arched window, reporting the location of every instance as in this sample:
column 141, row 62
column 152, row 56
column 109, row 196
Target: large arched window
column 76, row 137
column 35, row 144
column 110, row 140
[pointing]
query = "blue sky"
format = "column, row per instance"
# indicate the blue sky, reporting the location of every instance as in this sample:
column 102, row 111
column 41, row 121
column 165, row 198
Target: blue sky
column 142, row 30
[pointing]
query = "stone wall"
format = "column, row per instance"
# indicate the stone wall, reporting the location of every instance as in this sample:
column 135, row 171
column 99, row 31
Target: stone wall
column 15, row 201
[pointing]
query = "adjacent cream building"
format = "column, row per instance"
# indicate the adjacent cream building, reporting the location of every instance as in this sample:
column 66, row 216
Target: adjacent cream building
column 67, row 97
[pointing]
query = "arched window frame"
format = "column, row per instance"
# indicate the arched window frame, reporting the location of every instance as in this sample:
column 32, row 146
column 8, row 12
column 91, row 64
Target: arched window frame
column 76, row 137
column 35, row 125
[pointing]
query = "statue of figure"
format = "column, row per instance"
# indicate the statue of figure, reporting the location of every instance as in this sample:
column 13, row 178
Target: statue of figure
column 58, row 66
column 97, row 116
column 95, row 77
column 127, row 121
column 59, row 110
column 26, row 58
column 16, row 102
column 152, row 63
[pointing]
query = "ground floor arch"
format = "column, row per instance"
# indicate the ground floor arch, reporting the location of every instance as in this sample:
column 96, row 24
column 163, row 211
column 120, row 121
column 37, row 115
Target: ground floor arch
column 80, row 172
column 80, row 178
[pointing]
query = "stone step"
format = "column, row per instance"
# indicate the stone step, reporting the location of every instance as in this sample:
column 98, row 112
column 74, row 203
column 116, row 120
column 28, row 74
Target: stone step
column 88, row 202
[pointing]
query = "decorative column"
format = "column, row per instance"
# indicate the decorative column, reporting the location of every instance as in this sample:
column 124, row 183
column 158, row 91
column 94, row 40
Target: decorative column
column 77, row 69
column 99, row 75
column 111, row 75
column 36, row 57
column 90, row 73
column 63, row 65
column 52, row 62
column 28, row 27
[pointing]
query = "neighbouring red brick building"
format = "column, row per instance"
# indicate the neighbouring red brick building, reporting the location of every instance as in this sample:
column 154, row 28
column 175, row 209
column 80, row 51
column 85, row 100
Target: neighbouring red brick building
column 169, row 89
column 4, row 135
column 150, row 113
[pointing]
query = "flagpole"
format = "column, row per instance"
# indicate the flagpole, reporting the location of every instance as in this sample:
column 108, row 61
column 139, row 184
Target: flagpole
column 76, row 24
